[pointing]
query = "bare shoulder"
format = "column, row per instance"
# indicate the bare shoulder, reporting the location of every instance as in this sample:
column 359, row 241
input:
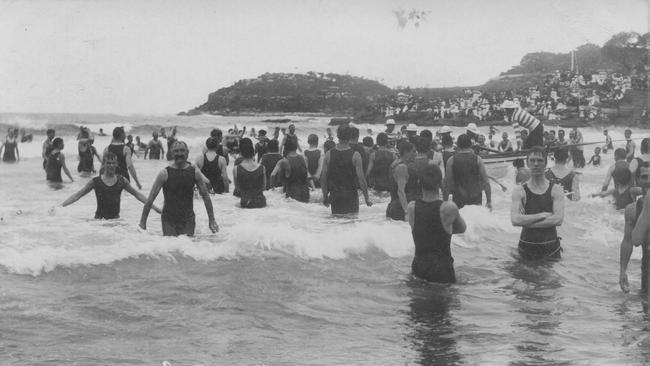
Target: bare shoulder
column 557, row 191
column 518, row 192
column 630, row 213
column 449, row 208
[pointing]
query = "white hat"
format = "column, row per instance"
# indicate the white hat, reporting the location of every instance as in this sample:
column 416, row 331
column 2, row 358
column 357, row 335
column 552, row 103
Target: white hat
column 444, row 129
column 411, row 127
column 472, row 128
column 390, row 121
column 508, row 104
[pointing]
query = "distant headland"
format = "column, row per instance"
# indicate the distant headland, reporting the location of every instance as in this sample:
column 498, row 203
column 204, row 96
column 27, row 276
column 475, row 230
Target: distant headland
column 590, row 85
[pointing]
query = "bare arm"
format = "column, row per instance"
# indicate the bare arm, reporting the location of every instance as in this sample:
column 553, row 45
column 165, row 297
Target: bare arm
column 358, row 166
column 155, row 189
column 640, row 232
column 320, row 166
column 401, row 176
column 449, row 179
column 82, row 192
column 371, row 165
column 224, row 173
column 518, row 217
column 608, row 178
column 323, row 179
column 485, row 183
column 603, row 194
column 451, row 219
column 626, row 246
column 557, row 217
column 575, row 186
column 410, row 213
column 203, row 191
column 65, row 168
column 130, row 167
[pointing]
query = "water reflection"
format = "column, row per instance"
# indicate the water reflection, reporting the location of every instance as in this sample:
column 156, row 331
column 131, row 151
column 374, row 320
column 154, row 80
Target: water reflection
column 535, row 289
column 433, row 333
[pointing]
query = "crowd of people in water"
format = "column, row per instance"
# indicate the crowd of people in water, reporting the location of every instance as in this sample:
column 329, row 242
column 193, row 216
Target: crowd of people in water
column 428, row 176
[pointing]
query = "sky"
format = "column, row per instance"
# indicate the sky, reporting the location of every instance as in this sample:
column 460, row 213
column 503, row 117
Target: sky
column 162, row 57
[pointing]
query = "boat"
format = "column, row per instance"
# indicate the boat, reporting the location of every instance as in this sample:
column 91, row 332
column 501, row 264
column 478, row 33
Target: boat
column 497, row 165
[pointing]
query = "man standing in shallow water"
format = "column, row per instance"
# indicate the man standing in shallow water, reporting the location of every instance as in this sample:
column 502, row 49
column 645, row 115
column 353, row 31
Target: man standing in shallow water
column 637, row 232
column 538, row 207
column 177, row 182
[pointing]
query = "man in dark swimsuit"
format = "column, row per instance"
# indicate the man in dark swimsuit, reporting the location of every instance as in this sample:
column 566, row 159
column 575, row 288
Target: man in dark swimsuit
column 637, row 233
column 214, row 170
column 108, row 190
column 342, row 176
column 177, row 182
column 269, row 161
column 466, row 176
column 538, row 207
column 123, row 153
column 47, row 145
column 432, row 224
column 155, row 148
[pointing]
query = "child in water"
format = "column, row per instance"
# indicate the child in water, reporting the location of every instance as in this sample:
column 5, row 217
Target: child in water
column 595, row 159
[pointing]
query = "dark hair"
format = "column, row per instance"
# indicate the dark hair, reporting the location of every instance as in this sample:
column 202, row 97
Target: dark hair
column 382, row 139
column 118, row 133
column 211, row 143
column 50, row 131
column 290, row 145
column 343, row 133
column 447, row 140
column 57, row 143
column 354, row 133
column 645, row 145
column 404, row 148
column 328, row 145
column 620, row 154
column 627, row 130
column 312, row 139
column 426, row 134
column 431, row 177
column 216, row 133
column 463, row 141
column 561, row 155
column 518, row 163
column 246, row 148
column 537, row 150
column 367, row 142
column 109, row 156
column 422, row 144
column 261, row 133
column 274, row 146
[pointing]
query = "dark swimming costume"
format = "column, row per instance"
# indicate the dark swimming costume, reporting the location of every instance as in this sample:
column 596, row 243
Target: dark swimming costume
column 394, row 209
column 418, row 165
column 155, row 147
column 9, row 155
column 363, row 153
column 433, row 260
column 467, row 188
column 380, row 173
column 269, row 161
column 251, row 187
column 445, row 157
column 539, row 243
column 313, row 157
column 48, row 150
column 170, row 142
column 178, row 210
column 566, row 182
column 122, row 170
column 108, row 198
column 535, row 137
column 86, row 160
column 212, row 171
column 621, row 200
column 342, row 182
column 53, row 168
column 261, row 148
column 296, row 185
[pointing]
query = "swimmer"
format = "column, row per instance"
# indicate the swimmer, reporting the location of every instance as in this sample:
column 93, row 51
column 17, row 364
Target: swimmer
column 293, row 169
column 623, row 191
column 47, row 145
column 56, row 162
column 249, row 177
column 314, row 158
column 378, row 172
column 177, row 182
column 342, row 176
column 123, row 153
column 538, row 207
column 10, row 147
column 595, row 159
column 636, row 232
column 432, row 224
column 466, row 176
column 213, row 166
column 619, row 160
column 404, row 182
column 108, row 190
column 563, row 176
column 155, row 148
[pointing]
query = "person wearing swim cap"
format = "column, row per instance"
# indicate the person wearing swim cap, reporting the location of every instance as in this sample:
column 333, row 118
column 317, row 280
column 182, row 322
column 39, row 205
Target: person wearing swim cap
column 538, row 208
column 177, row 182
column 433, row 222
column 108, row 190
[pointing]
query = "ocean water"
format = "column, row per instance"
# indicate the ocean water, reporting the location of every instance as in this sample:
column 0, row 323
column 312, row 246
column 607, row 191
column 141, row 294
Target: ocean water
column 291, row 285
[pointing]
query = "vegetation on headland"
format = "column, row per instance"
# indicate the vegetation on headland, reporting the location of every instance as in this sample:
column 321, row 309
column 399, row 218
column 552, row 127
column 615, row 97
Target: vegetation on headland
column 363, row 99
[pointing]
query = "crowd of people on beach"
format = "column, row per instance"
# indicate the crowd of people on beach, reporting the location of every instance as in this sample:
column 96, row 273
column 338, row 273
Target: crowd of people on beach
column 429, row 177
column 561, row 93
